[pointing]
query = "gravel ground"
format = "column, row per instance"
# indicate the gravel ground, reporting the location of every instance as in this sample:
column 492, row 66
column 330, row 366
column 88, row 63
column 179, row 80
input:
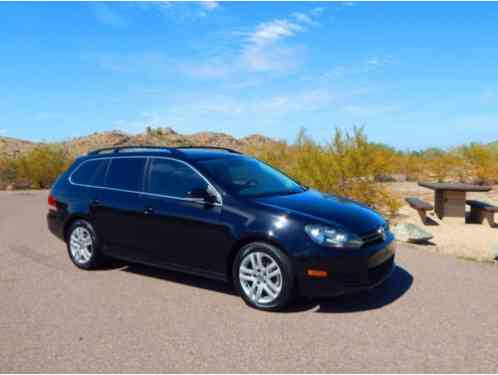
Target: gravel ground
column 437, row 313
column 452, row 236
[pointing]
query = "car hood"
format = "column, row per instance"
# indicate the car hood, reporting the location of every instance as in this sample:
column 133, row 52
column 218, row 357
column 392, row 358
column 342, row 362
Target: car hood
column 351, row 215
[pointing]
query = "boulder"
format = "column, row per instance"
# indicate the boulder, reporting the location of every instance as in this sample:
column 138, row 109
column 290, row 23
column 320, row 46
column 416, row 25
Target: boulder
column 411, row 233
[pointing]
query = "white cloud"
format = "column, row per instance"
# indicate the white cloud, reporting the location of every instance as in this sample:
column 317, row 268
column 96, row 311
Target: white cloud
column 161, row 7
column 304, row 19
column 261, row 50
column 275, row 59
column 269, row 32
column 209, row 4
column 369, row 65
column 274, row 105
column 113, row 14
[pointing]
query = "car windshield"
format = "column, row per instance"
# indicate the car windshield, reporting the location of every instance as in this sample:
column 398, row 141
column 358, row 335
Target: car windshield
column 249, row 177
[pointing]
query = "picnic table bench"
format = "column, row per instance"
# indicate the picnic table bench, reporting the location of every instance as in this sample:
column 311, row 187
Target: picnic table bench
column 449, row 198
column 421, row 206
column 482, row 210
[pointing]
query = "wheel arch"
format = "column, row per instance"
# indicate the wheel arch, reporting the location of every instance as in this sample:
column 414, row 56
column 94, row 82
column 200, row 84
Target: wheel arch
column 243, row 242
column 70, row 222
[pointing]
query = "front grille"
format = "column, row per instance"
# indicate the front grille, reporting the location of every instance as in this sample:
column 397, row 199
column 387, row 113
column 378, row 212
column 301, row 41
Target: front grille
column 364, row 276
column 352, row 279
column 372, row 238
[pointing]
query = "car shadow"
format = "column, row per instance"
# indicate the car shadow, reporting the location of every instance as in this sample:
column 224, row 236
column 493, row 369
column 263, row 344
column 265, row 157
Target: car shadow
column 390, row 291
column 181, row 278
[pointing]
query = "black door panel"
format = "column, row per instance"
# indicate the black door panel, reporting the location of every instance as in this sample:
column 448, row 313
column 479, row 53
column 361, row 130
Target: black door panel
column 119, row 209
column 185, row 233
column 179, row 230
column 119, row 218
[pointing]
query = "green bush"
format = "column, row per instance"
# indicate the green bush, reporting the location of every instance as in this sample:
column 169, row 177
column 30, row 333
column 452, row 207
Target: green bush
column 347, row 165
column 37, row 168
column 480, row 163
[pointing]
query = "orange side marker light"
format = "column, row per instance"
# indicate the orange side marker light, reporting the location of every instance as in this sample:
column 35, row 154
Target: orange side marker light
column 316, row 273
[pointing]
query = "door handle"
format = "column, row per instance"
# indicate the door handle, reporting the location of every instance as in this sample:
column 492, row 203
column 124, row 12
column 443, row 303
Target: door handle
column 149, row 210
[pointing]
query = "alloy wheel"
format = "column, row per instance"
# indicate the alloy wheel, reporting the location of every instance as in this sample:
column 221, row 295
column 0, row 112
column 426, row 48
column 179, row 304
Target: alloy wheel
column 260, row 277
column 81, row 245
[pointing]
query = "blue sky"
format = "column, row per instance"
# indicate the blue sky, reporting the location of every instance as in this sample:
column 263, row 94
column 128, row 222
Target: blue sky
column 414, row 74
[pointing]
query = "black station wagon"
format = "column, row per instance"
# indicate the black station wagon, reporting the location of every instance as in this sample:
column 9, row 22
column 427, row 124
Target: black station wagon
column 220, row 214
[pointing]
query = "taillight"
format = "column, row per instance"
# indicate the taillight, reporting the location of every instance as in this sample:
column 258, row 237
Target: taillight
column 52, row 203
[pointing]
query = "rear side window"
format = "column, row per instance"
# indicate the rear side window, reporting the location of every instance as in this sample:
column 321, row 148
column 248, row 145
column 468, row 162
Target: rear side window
column 126, row 174
column 91, row 173
column 173, row 178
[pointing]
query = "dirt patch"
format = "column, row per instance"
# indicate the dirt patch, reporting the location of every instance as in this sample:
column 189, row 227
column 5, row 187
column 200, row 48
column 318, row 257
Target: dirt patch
column 451, row 235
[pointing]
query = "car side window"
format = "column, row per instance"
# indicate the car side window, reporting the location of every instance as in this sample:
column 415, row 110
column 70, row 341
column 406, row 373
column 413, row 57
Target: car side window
column 126, row 174
column 173, row 178
column 91, row 173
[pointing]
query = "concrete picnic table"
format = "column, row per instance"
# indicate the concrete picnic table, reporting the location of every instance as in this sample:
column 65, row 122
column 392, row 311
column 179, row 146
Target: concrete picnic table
column 449, row 198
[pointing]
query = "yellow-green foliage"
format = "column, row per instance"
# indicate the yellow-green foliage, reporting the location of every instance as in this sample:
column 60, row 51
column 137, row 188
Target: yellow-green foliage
column 480, row 163
column 347, row 165
column 36, row 169
column 8, row 171
column 441, row 165
column 474, row 163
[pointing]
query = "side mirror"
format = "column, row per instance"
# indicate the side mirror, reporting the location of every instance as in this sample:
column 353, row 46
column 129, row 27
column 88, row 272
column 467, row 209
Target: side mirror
column 203, row 195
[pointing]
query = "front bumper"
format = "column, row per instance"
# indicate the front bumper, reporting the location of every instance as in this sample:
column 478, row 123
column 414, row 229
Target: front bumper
column 347, row 272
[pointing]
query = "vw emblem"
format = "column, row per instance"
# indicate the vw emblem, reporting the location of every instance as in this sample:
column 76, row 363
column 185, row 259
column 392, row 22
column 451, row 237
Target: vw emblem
column 382, row 232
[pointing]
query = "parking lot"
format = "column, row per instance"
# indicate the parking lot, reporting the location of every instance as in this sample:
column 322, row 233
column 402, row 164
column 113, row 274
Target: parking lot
column 437, row 313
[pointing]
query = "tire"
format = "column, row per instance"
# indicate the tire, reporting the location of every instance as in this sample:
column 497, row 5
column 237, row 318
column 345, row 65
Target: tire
column 263, row 276
column 83, row 246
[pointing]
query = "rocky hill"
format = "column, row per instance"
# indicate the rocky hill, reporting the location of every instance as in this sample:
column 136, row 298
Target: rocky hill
column 11, row 146
column 157, row 136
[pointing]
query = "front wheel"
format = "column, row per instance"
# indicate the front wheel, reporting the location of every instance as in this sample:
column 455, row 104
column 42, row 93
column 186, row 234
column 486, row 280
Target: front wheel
column 263, row 276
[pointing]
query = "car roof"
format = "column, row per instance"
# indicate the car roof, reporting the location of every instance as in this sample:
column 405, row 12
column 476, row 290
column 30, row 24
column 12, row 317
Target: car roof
column 184, row 153
column 200, row 153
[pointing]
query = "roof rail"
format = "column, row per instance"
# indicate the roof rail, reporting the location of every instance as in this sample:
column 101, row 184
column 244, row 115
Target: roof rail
column 136, row 148
column 208, row 148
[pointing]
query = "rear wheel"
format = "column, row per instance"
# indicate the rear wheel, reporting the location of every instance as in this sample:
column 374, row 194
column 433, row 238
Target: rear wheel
column 82, row 245
column 263, row 276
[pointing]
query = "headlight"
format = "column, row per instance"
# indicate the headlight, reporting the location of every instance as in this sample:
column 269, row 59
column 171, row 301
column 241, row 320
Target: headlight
column 330, row 237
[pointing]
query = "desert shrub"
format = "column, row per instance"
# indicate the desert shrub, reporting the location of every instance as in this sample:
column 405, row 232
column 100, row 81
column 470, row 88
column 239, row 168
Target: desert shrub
column 441, row 165
column 347, row 165
column 412, row 166
column 8, row 171
column 40, row 167
column 480, row 163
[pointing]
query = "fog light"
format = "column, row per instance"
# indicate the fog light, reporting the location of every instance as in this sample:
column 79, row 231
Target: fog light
column 316, row 273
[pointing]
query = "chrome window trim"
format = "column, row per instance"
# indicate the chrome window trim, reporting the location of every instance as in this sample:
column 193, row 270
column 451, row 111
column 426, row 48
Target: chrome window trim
column 194, row 200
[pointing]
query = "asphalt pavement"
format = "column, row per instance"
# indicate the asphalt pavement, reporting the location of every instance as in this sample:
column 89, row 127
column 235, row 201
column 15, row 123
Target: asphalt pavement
column 437, row 313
